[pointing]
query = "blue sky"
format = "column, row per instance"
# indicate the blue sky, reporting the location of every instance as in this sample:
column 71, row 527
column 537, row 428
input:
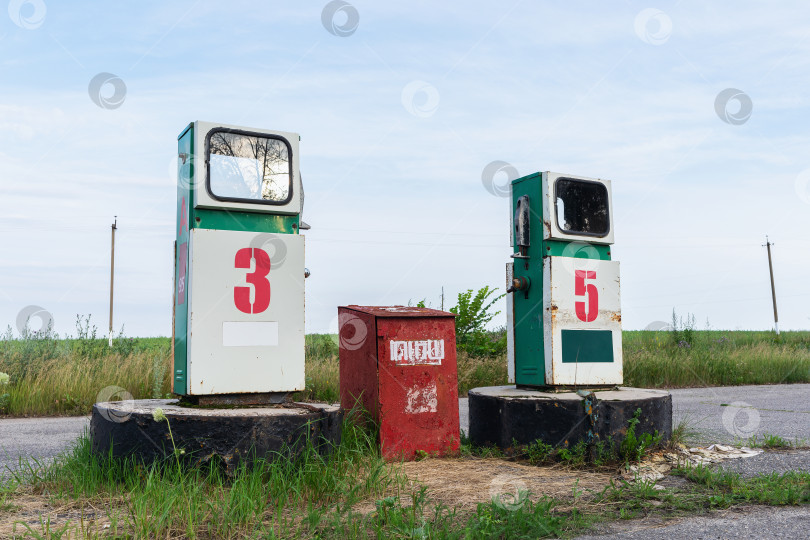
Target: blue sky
column 398, row 121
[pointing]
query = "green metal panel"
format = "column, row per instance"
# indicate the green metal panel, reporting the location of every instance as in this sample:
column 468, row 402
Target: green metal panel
column 557, row 248
column 528, row 311
column 580, row 346
column 185, row 176
column 232, row 220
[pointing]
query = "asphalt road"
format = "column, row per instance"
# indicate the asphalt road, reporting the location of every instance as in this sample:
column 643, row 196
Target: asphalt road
column 39, row 439
column 749, row 522
column 712, row 415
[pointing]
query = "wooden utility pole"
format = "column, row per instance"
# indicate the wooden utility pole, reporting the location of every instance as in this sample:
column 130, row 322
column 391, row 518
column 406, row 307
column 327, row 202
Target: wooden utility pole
column 112, row 276
column 773, row 289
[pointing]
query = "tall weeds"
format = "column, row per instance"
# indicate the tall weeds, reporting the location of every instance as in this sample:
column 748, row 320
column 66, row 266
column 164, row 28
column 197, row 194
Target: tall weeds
column 49, row 375
column 277, row 496
column 715, row 358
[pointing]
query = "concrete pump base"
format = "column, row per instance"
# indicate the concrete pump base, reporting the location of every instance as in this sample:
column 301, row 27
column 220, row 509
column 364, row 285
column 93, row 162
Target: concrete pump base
column 235, row 435
column 503, row 415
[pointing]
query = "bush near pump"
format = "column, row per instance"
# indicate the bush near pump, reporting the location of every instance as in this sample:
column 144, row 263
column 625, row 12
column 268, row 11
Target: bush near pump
column 4, row 397
column 472, row 316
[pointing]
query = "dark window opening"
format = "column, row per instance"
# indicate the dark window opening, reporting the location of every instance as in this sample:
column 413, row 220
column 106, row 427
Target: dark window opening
column 582, row 207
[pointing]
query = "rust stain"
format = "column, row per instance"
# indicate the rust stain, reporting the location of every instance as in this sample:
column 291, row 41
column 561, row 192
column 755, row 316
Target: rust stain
column 616, row 316
column 554, row 307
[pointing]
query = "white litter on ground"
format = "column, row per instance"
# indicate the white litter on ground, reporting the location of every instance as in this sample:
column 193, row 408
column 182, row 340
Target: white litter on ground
column 719, row 452
column 657, row 466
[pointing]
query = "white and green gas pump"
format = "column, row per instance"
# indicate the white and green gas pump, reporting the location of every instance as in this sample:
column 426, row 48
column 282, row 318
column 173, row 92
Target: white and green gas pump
column 238, row 320
column 563, row 310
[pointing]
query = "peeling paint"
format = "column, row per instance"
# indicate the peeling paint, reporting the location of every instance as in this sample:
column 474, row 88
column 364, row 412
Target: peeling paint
column 422, row 399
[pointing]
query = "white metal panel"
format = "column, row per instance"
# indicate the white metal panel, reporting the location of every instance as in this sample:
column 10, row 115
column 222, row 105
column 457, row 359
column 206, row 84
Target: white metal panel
column 202, row 199
column 551, row 229
column 510, row 325
column 559, row 303
column 215, row 368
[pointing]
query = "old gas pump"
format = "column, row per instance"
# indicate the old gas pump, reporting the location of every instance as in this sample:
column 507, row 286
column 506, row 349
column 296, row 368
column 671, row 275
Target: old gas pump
column 563, row 310
column 239, row 264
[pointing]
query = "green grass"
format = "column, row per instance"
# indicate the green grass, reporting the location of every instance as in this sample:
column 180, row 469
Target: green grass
column 277, row 496
column 715, row 358
column 770, row 441
column 64, row 376
column 724, row 488
column 350, row 493
column 707, row 489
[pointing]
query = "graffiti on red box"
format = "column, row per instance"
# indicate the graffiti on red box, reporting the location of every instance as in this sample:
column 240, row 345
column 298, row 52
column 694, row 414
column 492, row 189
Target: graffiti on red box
column 417, row 353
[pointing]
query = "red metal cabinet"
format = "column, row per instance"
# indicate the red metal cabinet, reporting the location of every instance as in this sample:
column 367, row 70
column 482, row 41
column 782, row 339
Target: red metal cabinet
column 400, row 363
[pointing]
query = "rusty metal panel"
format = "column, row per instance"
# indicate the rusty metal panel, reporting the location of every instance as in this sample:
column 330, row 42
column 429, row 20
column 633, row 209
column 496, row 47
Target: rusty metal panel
column 412, row 373
column 357, row 346
column 400, row 311
column 582, row 297
column 418, row 386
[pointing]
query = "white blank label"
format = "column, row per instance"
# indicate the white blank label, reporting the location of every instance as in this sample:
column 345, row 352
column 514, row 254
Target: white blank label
column 249, row 334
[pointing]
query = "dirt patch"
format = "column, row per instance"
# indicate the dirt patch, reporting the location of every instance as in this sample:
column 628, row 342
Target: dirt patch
column 464, row 483
column 44, row 516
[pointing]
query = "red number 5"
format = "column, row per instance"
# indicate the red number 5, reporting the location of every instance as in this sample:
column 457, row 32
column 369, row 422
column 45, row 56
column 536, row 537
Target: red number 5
column 257, row 278
column 589, row 290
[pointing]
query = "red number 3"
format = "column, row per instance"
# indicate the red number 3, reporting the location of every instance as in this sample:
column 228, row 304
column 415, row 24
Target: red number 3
column 589, row 290
column 257, row 278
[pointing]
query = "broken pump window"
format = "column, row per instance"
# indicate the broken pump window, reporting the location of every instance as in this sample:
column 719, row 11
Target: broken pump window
column 582, row 207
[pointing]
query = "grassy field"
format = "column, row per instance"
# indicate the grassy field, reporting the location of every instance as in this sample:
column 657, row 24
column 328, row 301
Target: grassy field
column 66, row 376
column 661, row 359
column 353, row 493
column 715, row 358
